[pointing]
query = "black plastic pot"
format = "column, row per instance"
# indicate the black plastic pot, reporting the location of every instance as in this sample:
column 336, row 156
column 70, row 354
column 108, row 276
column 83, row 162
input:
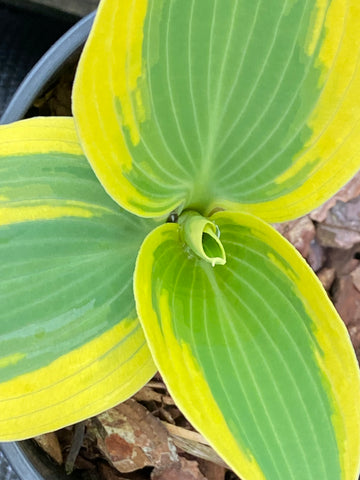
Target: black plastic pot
column 25, row 458
column 65, row 50
column 25, row 36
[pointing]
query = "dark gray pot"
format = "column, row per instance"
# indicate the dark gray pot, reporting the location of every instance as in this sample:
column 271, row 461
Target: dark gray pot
column 25, row 458
column 62, row 52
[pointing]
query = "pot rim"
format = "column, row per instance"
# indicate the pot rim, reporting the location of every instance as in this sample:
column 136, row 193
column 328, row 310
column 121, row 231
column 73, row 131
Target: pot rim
column 30, row 462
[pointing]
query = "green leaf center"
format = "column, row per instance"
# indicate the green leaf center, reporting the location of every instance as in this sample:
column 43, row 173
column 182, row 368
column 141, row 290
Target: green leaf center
column 202, row 236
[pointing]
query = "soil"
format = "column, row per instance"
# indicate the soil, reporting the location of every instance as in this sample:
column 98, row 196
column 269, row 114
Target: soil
column 166, row 447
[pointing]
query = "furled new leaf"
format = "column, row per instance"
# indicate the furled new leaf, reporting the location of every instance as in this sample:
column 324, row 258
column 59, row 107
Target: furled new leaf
column 250, row 105
column 70, row 342
column 253, row 351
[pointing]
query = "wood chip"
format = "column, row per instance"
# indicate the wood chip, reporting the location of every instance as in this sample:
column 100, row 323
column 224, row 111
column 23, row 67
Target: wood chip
column 341, row 228
column 194, row 443
column 50, row 444
column 147, row 394
column 355, row 275
column 182, row 470
column 212, row 471
column 327, row 277
column 156, row 384
column 348, row 192
column 77, row 441
column 347, row 303
column 316, row 256
column 299, row 232
column 108, row 473
column 131, row 438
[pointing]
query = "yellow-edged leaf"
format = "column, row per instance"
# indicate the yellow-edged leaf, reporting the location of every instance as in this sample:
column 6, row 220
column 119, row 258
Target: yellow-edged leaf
column 71, row 345
column 204, row 104
column 253, row 352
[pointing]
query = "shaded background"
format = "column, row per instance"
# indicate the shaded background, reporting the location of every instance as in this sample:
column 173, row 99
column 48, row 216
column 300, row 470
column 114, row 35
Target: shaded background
column 27, row 29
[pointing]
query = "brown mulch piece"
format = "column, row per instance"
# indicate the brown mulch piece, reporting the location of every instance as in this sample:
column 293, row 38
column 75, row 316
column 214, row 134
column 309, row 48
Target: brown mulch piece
column 131, row 442
column 329, row 239
column 341, row 227
column 182, row 470
column 56, row 100
column 131, row 438
column 49, row 442
column 76, row 444
column 345, row 194
column 300, row 232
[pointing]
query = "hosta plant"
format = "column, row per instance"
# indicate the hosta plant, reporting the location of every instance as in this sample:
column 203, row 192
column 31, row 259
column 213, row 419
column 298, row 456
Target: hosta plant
column 136, row 236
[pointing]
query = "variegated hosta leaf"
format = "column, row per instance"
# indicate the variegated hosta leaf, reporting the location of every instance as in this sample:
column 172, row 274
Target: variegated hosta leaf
column 253, row 352
column 250, row 105
column 70, row 342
